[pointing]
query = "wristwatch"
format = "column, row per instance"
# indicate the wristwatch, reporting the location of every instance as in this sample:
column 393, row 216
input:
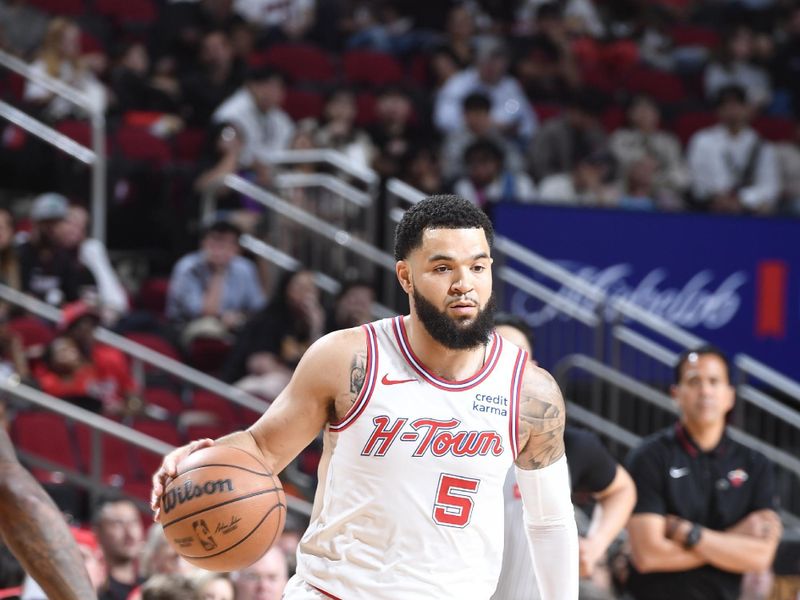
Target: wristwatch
column 693, row 537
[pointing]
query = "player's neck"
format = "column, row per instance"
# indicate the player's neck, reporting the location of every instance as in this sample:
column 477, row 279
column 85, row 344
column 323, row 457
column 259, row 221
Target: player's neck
column 444, row 362
column 707, row 437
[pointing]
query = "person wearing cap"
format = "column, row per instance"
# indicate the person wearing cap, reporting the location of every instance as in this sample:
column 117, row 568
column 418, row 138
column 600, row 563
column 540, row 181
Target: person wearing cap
column 47, row 270
column 511, row 110
column 213, row 290
column 706, row 508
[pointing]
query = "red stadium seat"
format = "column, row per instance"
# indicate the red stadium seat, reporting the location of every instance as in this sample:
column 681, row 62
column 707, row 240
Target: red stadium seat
column 80, row 131
column 299, row 62
column 694, row 35
column 196, row 432
column 222, row 408
column 148, row 461
column 545, row 112
column 301, row 104
column 687, row 124
column 152, row 295
column 365, row 108
column 365, row 67
column 45, row 435
column 60, row 7
column 127, row 11
column 35, row 333
column 138, row 144
column 154, row 342
column 662, row 86
column 188, row 144
column 117, row 464
column 775, row 129
column 164, row 398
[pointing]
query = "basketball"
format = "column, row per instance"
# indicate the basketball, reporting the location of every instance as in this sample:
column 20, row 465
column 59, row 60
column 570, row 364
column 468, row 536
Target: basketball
column 224, row 510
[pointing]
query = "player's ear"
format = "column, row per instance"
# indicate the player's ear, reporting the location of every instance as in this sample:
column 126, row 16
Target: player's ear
column 403, row 271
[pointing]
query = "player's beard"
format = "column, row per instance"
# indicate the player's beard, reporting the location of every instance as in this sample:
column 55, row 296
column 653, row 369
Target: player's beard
column 448, row 331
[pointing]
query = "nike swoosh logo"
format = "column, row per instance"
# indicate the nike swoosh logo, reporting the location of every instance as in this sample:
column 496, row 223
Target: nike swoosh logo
column 678, row 472
column 387, row 381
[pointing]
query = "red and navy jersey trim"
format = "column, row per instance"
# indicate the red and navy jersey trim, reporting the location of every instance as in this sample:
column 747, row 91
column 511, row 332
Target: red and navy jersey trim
column 401, row 336
column 370, row 380
column 516, row 389
column 324, row 593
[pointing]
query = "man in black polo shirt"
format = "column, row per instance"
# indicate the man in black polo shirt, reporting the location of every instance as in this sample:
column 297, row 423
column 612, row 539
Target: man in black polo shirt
column 706, row 504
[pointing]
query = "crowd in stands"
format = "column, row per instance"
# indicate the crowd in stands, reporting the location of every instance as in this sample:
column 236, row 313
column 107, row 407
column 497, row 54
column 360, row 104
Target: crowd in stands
column 669, row 105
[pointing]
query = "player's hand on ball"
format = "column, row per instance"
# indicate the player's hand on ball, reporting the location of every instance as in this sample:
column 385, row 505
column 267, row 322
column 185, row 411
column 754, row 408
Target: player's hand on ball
column 169, row 469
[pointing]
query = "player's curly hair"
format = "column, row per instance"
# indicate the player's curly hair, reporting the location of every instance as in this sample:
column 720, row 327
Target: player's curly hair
column 446, row 211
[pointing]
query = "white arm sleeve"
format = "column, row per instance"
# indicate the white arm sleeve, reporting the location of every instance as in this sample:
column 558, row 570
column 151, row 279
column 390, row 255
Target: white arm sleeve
column 550, row 524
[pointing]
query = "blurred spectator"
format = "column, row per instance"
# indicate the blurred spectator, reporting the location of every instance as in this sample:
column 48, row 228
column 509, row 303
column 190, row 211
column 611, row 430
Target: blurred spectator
column 22, row 27
column 785, row 68
column 67, row 374
column 73, row 232
column 642, row 137
column 263, row 580
column 735, row 66
column 442, row 65
column 214, row 586
column 280, row 19
column 213, row 291
column 118, row 527
column 732, row 168
column 382, row 26
column 546, row 67
column 394, row 132
column 460, row 32
column 590, row 183
column 158, row 557
column 478, row 122
column 788, row 158
column 339, row 132
column 218, row 75
column 705, row 512
column 488, row 181
column 641, row 191
column 254, row 112
column 170, row 587
column 272, row 342
column 422, row 170
column 562, row 140
column 9, row 261
column 511, row 110
column 113, row 382
column 581, row 16
column 60, row 57
column 353, row 306
column 133, row 86
column 47, row 270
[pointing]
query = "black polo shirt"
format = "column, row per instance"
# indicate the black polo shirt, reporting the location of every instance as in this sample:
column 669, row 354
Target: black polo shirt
column 591, row 467
column 715, row 489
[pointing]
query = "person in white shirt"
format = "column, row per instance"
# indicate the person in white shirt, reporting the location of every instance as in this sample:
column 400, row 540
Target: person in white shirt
column 255, row 113
column 511, row 111
column 732, row 168
column 292, row 17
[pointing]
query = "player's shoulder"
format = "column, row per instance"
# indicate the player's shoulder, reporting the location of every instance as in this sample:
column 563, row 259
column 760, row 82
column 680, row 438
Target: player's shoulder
column 538, row 382
column 338, row 346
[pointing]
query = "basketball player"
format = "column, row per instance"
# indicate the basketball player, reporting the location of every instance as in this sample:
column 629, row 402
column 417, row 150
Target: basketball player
column 33, row 528
column 422, row 416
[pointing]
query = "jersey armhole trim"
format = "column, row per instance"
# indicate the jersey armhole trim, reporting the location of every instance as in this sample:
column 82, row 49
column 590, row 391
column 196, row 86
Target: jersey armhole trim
column 369, row 383
column 516, row 390
column 324, row 593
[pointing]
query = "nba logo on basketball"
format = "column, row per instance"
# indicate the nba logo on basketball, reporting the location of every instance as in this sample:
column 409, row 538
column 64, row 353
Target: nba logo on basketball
column 737, row 477
column 204, row 535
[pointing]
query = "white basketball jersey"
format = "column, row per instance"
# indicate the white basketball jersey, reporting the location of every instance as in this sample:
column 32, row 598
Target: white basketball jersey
column 410, row 497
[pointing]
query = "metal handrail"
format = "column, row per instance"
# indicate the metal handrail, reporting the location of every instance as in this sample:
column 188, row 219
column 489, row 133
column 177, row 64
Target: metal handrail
column 327, row 181
column 602, row 425
column 323, row 228
column 143, row 353
column 11, row 386
column 624, row 382
column 652, row 349
column 332, row 157
column 98, row 126
column 769, row 404
column 768, row 375
column 47, row 133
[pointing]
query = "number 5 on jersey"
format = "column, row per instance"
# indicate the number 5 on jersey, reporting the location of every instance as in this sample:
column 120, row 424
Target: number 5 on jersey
column 454, row 502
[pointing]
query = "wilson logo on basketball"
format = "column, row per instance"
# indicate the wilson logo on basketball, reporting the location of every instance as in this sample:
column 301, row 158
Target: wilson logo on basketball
column 189, row 491
column 433, row 435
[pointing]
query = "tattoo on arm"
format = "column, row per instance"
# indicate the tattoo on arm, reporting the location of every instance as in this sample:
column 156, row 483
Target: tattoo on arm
column 358, row 374
column 542, row 417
